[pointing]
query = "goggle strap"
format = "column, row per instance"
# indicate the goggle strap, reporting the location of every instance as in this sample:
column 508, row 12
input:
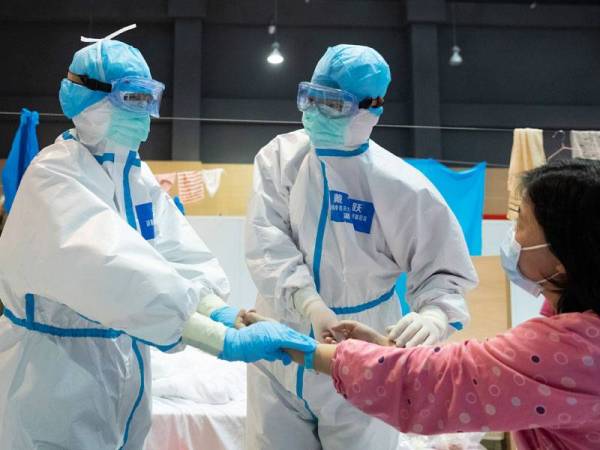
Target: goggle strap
column 370, row 102
column 95, row 85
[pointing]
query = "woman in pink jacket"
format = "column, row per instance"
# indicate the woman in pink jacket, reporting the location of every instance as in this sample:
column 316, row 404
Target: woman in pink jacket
column 541, row 379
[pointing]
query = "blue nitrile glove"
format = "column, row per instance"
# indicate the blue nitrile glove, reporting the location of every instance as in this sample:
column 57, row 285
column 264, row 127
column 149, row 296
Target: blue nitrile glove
column 264, row 340
column 225, row 315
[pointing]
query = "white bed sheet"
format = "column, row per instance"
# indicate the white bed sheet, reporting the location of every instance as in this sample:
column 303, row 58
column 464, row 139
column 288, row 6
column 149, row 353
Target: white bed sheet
column 198, row 402
column 180, row 424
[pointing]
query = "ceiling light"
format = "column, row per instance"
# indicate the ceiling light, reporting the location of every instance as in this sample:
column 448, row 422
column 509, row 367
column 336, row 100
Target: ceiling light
column 275, row 57
column 455, row 59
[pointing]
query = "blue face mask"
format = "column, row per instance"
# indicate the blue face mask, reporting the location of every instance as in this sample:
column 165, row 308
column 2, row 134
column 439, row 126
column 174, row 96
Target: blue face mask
column 510, row 252
column 128, row 128
column 325, row 132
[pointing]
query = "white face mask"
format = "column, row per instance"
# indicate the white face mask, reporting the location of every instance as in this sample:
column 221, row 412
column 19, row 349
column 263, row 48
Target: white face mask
column 360, row 128
column 510, row 252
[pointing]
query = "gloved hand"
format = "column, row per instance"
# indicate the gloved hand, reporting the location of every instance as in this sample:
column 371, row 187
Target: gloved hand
column 227, row 315
column 264, row 340
column 426, row 327
column 323, row 321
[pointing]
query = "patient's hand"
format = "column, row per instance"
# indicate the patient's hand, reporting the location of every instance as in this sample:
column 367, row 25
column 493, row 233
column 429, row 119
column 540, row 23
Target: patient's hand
column 352, row 329
column 250, row 317
column 240, row 321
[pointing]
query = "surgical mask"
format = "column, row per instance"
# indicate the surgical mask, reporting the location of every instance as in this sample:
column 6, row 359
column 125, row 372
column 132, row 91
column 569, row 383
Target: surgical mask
column 510, row 252
column 345, row 133
column 103, row 120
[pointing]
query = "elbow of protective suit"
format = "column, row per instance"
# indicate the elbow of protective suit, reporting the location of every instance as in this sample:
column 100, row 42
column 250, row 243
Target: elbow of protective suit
column 204, row 334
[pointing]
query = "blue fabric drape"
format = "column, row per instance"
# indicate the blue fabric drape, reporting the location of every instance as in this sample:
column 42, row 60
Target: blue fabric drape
column 24, row 148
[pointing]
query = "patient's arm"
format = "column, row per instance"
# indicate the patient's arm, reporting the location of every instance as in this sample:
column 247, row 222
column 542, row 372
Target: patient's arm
column 352, row 329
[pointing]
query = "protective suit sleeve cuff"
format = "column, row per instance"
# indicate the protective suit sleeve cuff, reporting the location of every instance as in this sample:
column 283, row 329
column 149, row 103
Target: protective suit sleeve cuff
column 209, row 304
column 305, row 297
column 205, row 334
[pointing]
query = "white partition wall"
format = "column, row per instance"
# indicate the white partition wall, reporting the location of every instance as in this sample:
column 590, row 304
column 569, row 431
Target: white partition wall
column 224, row 235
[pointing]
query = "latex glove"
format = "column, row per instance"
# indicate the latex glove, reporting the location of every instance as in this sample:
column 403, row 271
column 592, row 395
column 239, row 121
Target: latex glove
column 426, row 327
column 323, row 321
column 227, row 315
column 264, row 340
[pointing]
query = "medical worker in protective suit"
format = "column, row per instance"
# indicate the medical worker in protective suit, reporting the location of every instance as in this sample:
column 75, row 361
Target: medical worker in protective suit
column 96, row 265
column 333, row 221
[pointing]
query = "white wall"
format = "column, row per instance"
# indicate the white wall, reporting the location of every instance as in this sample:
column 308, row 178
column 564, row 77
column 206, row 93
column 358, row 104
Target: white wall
column 225, row 237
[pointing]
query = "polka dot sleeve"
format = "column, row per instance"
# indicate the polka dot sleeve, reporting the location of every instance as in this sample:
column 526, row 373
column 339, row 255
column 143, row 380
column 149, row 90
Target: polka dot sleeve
column 540, row 374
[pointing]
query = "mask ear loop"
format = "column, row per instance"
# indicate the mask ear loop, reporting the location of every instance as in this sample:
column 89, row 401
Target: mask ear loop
column 550, row 278
column 534, row 247
column 99, row 46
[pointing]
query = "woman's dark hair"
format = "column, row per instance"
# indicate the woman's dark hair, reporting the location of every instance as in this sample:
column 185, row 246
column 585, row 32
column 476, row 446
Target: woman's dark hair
column 565, row 195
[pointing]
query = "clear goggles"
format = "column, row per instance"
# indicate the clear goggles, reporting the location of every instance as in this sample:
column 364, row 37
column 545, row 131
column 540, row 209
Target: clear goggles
column 134, row 94
column 332, row 102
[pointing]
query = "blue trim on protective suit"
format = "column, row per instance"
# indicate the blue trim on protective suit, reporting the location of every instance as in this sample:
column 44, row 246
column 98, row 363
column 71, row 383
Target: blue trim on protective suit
column 342, row 153
column 105, row 333
column 316, row 273
column 105, row 157
column 162, row 348
column 364, row 306
column 138, row 400
column 67, row 136
column 132, row 160
column 457, row 325
column 321, row 230
column 29, row 308
column 300, row 384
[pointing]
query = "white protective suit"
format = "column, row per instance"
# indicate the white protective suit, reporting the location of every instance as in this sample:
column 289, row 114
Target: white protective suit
column 344, row 224
column 96, row 263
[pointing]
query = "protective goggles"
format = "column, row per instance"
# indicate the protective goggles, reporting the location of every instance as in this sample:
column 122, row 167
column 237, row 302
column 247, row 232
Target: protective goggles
column 332, row 102
column 134, row 94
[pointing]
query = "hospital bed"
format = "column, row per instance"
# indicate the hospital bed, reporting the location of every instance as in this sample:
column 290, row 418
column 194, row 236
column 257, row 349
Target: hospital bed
column 198, row 402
